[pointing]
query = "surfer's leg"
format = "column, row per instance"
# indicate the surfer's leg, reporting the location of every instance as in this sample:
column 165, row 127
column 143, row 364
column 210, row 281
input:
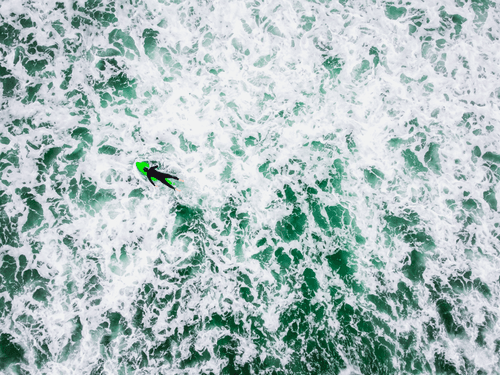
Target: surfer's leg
column 164, row 181
column 176, row 178
column 170, row 176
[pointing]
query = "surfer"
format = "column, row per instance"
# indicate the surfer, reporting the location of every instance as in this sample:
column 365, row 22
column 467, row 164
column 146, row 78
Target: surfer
column 152, row 172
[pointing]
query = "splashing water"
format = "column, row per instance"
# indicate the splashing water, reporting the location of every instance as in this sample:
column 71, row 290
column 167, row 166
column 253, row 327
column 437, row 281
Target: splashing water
column 339, row 213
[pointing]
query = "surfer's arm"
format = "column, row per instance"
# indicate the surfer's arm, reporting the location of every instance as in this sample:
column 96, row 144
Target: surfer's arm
column 150, row 180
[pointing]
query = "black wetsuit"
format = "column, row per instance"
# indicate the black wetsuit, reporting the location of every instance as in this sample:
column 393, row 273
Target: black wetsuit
column 152, row 172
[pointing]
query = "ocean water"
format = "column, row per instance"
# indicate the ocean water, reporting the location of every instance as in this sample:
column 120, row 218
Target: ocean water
column 339, row 213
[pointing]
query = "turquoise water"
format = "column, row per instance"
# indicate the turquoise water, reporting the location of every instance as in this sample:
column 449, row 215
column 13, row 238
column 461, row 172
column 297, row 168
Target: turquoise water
column 339, row 213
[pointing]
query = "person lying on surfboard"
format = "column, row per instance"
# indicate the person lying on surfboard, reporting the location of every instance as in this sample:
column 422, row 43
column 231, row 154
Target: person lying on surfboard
column 152, row 172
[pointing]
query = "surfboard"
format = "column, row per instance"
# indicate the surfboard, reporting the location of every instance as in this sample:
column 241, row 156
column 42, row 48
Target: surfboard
column 144, row 164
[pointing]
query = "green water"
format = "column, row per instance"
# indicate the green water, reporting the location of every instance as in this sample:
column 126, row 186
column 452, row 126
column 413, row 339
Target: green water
column 340, row 208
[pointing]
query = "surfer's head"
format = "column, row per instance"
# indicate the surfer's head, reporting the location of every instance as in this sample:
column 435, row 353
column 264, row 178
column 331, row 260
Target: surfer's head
column 146, row 169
